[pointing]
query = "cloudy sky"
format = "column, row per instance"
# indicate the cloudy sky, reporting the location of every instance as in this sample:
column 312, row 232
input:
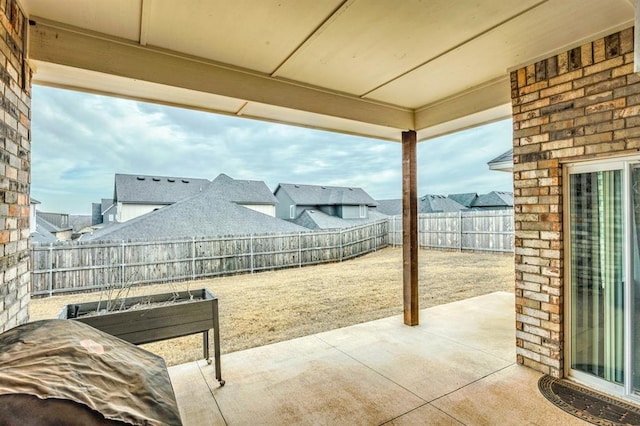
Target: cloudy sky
column 79, row 141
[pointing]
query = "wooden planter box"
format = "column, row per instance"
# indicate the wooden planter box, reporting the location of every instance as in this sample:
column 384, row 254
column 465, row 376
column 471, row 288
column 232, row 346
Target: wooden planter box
column 173, row 315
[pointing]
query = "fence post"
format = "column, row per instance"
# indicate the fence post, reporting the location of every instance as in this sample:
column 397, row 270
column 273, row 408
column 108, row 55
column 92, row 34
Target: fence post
column 251, row 252
column 460, row 230
column 341, row 248
column 50, row 270
column 122, row 264
column 193, row 258
column 299, row 250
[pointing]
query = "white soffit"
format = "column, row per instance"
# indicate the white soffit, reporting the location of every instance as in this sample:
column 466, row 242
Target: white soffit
column 377, row 43
column 536, row 34
column 118, row 18
column 257, row 35
column 433, row 66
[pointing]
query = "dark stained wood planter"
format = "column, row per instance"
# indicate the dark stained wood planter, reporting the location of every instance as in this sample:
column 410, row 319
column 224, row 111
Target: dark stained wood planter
column 173, row 315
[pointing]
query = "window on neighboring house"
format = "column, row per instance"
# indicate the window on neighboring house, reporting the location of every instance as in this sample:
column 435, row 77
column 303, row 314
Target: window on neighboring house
column 603, row 218
column 292, row 212
column 363, row 211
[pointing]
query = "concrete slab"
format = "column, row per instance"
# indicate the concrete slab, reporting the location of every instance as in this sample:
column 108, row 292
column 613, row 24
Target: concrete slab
column 507, row 397
column 426, row 364
column 193, row 395
column 456, row 368
column 425, row 415
column 306, row 381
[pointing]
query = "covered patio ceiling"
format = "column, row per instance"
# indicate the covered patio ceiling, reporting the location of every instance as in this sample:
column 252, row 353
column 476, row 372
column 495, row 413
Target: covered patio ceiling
column 365, row 67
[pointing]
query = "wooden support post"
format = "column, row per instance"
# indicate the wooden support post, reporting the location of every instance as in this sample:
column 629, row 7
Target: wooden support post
column 410, row 228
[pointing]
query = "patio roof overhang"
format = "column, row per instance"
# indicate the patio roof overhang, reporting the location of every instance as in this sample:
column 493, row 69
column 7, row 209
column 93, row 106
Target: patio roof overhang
column 371, row 68
column 395, row 70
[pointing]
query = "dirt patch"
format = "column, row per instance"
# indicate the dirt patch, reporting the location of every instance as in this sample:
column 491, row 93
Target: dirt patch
column 267, row 307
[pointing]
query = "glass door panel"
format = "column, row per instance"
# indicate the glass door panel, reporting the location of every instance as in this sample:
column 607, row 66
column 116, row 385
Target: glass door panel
column 597, row 284
column 635, row 281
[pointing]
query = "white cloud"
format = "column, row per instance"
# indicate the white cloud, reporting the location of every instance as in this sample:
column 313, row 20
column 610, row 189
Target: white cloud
column 79, row 141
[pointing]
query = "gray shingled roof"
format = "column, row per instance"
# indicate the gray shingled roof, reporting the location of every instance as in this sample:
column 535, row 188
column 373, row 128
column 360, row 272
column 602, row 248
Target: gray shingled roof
column 316, row 219
column 504, row 157
column 466, row 199
column 202, row 215
column 503, row 162
column 494, row 199
column 243, row 191
column 316, row 195
column 390, row 207
column 141, row 189
column 438, row 204
column 44, row 232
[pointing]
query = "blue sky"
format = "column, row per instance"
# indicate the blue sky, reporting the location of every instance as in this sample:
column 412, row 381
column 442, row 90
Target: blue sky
column 79, row 141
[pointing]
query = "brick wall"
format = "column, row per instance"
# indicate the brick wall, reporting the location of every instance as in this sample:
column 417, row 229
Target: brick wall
column 15, row 164
column 579, row 104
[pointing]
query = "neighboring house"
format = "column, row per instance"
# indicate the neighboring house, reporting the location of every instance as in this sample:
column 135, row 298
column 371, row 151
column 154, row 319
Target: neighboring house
column 438, row 204
column 103, row 212
column 466, row 199
column 503, row 162
column 317, row 219
column 252, row 194
column 80, row 224
column 136, row 195
column 44, row 227
column 340, row 202
column 60, row 220
column 391, row 207
column 426, row 204
column 205, row 214
column 494, row 200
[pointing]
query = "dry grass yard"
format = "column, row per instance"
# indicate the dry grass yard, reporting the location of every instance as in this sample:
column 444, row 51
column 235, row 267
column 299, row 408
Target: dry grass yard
column 268, row 307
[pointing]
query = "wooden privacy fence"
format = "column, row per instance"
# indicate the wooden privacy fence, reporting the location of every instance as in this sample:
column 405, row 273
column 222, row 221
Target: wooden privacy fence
column 87, row 266
column 488, row 230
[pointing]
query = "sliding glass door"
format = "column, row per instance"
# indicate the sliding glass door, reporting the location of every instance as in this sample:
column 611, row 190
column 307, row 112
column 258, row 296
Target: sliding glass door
column 604, row 219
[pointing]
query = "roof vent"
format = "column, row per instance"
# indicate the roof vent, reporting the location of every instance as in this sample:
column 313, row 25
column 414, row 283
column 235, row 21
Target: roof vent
column 156, row 179
column 296, row 186
column 350, row 189
column 171, row 180
column 140, row 178
column 323, row 187
column 185, row 180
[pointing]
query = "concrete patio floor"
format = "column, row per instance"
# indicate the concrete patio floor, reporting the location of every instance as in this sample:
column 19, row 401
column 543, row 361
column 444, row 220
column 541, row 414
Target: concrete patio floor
column 456, row 368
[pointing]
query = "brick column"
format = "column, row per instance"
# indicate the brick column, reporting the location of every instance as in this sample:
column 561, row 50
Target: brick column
column 15, row 167
column 579, row 104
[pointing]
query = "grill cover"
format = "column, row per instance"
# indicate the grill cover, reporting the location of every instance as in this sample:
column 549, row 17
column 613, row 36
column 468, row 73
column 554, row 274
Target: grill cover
column 71, row 361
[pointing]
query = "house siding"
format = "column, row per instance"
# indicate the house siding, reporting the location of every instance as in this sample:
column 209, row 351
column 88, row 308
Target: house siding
column 267, row 209
column 15, row 166
column 127, row 212
column 350, row 212
column 580, row 104
column 284, row 204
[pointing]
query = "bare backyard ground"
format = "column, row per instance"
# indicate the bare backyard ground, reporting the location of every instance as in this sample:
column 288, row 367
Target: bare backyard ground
column 262, row 308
